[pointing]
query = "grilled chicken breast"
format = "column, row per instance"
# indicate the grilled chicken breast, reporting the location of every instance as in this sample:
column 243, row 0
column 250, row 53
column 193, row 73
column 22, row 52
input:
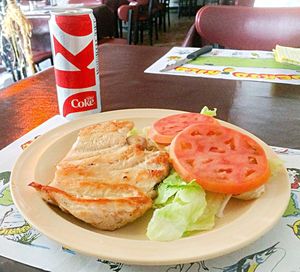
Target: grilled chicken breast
column 107, row 179
column 104, row 206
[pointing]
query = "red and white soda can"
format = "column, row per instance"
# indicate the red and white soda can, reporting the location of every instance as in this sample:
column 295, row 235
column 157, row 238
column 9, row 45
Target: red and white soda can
column 75, row 55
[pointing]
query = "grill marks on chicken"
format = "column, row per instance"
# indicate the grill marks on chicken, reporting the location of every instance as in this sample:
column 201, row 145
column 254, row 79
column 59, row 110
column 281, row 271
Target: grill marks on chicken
column 105, row 179
column 104, row 206
column 99, row 139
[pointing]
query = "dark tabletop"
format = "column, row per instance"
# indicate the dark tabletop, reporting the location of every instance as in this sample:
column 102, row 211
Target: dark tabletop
column 270, row 111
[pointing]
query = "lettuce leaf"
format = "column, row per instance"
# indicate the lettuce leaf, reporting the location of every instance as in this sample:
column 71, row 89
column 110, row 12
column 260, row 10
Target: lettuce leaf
column 181, row 208
column 206, row 221
column 276, row 164
column 253, row 194
column 133, row 132
column 207, row 111
column 168, row 188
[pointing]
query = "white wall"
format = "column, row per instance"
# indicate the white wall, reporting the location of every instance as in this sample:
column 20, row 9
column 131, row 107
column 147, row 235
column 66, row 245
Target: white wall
column 277, row 3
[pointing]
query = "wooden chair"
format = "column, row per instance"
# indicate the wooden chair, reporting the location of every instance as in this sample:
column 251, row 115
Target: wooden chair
column 113, row 5
column 140, row 15
column 106, row 24
column 187, row 7
column 245, row 28
column 164, row 13
column 40, row 40
column 128, row 14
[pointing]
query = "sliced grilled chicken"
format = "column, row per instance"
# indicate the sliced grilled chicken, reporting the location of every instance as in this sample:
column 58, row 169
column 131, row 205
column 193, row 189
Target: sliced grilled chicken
column 102, row 153
column 99, row 139
column 104, row 206
column 104, row 158
column 144, row 169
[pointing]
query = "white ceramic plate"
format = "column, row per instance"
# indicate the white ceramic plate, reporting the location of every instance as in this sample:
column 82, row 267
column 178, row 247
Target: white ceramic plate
column 243, row 223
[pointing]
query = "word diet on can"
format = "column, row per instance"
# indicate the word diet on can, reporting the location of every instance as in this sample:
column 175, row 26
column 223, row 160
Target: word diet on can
column 75, row 56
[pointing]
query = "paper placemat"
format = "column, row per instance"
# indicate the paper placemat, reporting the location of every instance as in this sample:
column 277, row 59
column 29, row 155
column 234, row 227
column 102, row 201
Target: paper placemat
column 229, row 64
column 276, row 251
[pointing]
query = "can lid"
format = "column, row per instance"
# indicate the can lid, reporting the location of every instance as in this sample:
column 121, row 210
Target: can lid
column 71, row 11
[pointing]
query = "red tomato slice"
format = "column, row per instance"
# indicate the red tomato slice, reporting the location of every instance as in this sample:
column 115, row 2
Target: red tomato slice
column 220, row 159
column 165, row 129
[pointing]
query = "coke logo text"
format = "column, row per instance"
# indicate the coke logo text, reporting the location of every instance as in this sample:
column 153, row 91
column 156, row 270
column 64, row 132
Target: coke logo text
column 80, row 102
column 87, row 102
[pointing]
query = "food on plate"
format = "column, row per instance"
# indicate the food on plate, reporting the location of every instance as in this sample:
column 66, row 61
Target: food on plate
column 181, row 208
column 190, row 161
column 220, row 159
column 165, row 129
column 276, row 166
column 104, row 153
column 105, row 206
column 212, row 163
column 107, row 173
column 256, row 193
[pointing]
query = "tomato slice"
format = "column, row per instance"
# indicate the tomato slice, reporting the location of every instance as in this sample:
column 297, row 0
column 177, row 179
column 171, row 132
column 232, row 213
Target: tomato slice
column 165, row 129
column 220, row 159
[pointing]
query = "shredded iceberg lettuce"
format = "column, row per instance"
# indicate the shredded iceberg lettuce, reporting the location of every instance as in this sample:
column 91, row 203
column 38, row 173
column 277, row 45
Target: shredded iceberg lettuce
column 256, row 193
column 207, row 111
column 133, row 132
column 136, row 132
column 181, row 208
column 276, row 165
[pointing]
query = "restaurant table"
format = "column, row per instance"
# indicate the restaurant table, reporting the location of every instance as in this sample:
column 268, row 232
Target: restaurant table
column 105, row 22
column 270, row 111
column 103, row 29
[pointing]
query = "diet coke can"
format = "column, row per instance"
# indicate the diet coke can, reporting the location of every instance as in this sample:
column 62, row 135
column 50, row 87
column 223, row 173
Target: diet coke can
column 75, row 55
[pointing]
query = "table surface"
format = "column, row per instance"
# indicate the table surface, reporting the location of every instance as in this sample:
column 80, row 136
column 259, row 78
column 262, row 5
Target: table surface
column 43, row 9
column 270, row 111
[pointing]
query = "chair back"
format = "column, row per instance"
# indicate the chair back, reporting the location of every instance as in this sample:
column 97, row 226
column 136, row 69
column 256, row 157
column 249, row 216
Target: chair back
column 40, row 38
column 152, row 5
column 105, row 18
column 240, row 27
